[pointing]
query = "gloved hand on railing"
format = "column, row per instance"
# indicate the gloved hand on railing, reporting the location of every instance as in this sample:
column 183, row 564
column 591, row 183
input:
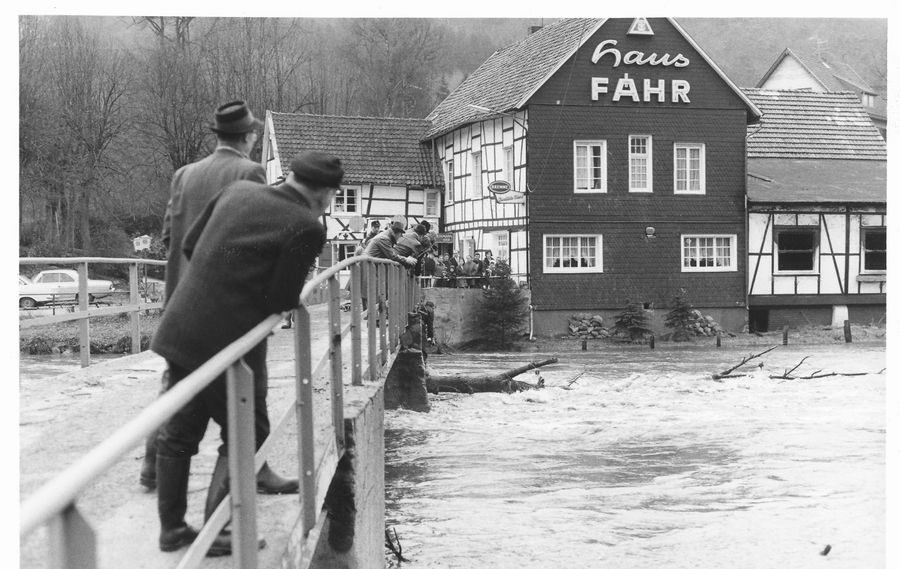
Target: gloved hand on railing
column 410, row 261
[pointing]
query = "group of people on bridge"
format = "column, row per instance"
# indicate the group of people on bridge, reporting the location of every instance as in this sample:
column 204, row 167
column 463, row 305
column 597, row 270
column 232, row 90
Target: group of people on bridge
column 415, row 247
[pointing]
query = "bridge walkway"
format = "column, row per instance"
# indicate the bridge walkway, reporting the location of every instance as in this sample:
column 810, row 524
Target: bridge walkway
column 88, row 405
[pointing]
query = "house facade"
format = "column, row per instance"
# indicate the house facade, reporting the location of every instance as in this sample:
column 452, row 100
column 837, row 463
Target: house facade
column 625, row 145
column 389, row 173
column 816, row 209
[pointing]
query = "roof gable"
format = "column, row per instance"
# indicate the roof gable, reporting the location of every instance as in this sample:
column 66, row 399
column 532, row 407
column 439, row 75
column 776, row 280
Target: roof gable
column 508, row 75
column 812, row 125
column 508, row 79
column 832, row 76
column 372, row 149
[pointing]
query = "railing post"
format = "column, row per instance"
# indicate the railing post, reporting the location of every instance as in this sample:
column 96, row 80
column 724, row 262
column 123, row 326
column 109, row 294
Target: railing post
column 337, row 371
column 382, row 271
column 72, row 543
column 356, row 322
column 84, row 331
column 371, row 287
column 134, row 296
column 392, row 307
column 303, row 405
column 241, row 468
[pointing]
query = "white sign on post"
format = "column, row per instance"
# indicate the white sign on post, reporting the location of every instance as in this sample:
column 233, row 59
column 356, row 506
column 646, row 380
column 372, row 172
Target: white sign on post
column 142, row 242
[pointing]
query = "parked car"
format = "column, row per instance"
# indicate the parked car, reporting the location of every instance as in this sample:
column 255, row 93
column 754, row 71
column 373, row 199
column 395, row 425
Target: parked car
column 58, row 285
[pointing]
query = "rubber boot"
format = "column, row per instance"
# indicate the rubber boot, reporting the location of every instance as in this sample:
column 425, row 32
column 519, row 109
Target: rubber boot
column 172, row 484
column 148, row 469
column 268, row 482
column 218, row 490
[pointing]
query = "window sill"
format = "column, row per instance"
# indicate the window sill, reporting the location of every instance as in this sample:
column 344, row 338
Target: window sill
column 873, row 278
column 796, row 273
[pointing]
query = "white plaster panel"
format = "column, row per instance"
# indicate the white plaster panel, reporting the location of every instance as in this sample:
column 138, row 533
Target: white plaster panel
column 870, row 220
column 830, row 282
column 808, row 285
column 763, row 282
column 756, row 230
column 784, row 285
column 807, row 219
column 868, row 288
column 837, row 228
column 855, row 244
column 853, row 269
column 785, row 219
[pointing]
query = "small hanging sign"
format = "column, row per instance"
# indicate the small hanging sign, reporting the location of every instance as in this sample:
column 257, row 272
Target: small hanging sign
column 499, row 187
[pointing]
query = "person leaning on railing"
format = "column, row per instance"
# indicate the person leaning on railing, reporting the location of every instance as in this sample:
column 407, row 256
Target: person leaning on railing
column 192, row 187
column 414, row 243
column 382, row 247
column 250, row 251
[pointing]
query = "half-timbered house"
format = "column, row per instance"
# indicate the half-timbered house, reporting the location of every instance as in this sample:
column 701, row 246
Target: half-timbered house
column 817, row 196
column 388, row 171
column 607, row 156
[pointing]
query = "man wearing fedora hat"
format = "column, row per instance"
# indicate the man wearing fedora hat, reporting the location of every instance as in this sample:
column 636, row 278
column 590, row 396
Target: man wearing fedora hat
column 250, row 251
column 192, row 187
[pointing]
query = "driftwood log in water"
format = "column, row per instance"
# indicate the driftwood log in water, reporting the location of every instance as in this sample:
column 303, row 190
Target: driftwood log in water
column 495, row 382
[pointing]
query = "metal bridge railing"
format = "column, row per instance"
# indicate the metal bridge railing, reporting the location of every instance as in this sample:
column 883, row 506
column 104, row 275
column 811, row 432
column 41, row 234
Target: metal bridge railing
column 135, row 304
column 391, row 293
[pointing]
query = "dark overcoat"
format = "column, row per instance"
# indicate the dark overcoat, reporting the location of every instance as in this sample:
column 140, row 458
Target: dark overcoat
column 192, row 187
column 250, row 251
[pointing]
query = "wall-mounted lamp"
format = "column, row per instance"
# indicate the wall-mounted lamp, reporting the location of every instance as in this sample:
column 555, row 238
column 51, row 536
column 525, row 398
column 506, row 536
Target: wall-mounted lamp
column 649, row 232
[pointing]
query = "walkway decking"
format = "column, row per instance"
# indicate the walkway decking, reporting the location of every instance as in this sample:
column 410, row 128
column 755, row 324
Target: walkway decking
column 89, row 404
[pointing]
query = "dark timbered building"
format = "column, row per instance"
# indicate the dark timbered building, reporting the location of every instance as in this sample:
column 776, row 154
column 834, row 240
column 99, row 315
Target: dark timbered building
column 624, row 146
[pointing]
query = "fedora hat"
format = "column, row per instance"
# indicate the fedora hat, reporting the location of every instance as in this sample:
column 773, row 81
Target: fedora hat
column 235, row 118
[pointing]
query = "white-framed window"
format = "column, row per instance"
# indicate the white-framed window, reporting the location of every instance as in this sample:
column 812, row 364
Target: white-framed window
column 708, row 253
column 509, row 166
column 451, row 195
column 640, row 163
column 590, row 166
column 690, row 168
column 432, row 203
column 796, row 249
column 573, row 253
column 477, row 189
column 867, row 99
column 343, row 250
column 346, row 200
column 874, row 249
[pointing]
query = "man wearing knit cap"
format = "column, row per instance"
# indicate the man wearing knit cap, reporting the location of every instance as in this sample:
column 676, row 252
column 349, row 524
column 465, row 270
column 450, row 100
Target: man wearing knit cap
column 250, row 251
column 193, row 185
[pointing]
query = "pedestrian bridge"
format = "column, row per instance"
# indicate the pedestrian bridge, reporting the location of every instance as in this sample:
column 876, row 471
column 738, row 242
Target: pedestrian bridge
column 326, row 406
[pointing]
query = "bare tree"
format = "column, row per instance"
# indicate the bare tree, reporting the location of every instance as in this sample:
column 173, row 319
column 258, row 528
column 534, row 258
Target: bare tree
column 395, row 58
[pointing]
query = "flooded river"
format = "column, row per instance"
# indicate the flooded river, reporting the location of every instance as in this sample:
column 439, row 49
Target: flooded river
column 646, row 462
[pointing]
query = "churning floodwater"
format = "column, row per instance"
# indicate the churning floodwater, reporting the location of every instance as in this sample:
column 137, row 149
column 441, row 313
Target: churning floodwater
column 645, row 461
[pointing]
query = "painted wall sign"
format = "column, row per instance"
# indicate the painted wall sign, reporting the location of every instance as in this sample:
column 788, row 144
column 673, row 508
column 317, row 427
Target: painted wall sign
column 635, row 57
column 443, row 238
column 499, row 187
column 627, row 87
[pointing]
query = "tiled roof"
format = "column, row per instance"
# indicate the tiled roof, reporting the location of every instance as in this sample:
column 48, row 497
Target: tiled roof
column 372, row 149
column 511, row 73
column 805, row 124
column 833, row 76
column 816, row 181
